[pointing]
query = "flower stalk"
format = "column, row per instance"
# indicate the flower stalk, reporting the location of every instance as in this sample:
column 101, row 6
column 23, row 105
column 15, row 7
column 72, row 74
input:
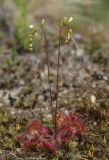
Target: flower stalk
column 48, row 68
column 57, row 81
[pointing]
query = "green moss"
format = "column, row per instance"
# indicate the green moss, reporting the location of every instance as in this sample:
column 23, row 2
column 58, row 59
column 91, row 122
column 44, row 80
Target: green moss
column 22, row 25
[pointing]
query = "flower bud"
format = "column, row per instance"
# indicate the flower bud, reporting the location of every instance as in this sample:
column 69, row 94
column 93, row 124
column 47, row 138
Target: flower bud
column 31, row 26
column 70, row 19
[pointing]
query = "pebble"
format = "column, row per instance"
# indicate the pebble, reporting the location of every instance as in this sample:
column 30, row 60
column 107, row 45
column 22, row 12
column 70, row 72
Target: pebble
column 93, row 99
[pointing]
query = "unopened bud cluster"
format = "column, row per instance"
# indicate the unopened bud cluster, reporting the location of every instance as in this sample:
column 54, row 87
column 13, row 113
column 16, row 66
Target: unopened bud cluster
column 69, row 35
column 31, row 36
column 67, row 22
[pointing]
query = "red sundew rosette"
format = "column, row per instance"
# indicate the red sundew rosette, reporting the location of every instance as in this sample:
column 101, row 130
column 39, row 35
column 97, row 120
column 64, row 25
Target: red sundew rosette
column 37, row 136
column 69, row 126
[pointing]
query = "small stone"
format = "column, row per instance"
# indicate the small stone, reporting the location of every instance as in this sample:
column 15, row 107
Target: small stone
column 93, row 99
column 105, row 78
column 1, row 104
column 79, row 53
column 40, row 98
column 66, row 112
column 12, row 112
column 94, row 123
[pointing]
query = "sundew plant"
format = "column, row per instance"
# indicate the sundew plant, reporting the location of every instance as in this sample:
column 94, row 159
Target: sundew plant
column 65, row 126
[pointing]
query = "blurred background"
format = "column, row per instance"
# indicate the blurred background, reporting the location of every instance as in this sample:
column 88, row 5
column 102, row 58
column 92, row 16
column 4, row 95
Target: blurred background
column 84, row 71
column 90, row 17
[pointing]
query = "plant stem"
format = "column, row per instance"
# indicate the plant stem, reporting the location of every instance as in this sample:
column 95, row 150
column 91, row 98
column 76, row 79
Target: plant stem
column 41, row 118
column 48, row 69
column 57, row 83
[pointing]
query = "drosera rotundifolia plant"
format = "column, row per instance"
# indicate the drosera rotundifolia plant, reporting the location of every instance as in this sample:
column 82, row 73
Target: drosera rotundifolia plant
column 65, row 126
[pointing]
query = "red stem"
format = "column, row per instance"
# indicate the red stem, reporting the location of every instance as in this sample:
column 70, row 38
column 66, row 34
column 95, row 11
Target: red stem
column 41, row 118
column 47, row 61
column 57, row 84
